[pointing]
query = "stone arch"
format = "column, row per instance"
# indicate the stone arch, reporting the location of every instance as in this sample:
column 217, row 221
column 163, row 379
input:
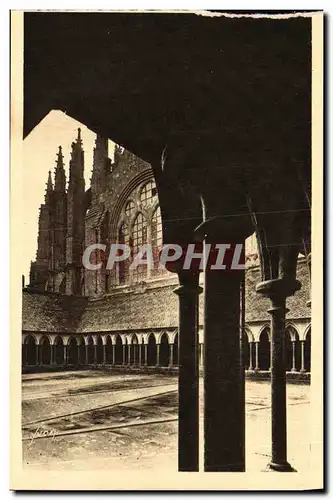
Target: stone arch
column 90, row 350
column 99, row 349
column 109, row 350
column 119, row 350
column 152, row 350
column 73, row 351
column 164, row 350
column 246, row 349
column 134, row 358
column 307, row 350
column 30, row 348
column 58, row 347
column 139, row 179
column 292, row 349
column 82, row 350
column 175, row 350
column 45, row 350
column 264, row 350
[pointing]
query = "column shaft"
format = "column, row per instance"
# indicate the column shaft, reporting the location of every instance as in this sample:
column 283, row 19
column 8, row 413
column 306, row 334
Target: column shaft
column 251, row 355
column 158, row 346
column 302, row 356
column 188, row 387
column 139, row 349
column 171, row 355
column 278, row 383
column 113, row 354
column 224, row 374
column 257, row 356
column 293, row 368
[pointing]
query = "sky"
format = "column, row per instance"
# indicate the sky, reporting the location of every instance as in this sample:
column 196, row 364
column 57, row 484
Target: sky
column 39, row 156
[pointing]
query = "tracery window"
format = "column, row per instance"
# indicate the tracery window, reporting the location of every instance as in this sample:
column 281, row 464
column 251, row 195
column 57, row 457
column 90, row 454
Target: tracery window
column 130, row 208
column 123, row 238
column 156, row 238
column 140, row 224
column 139, row 238
column 148, row 192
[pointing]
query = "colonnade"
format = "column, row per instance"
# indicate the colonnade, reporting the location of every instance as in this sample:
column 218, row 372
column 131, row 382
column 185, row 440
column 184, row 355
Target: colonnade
column 155, row 349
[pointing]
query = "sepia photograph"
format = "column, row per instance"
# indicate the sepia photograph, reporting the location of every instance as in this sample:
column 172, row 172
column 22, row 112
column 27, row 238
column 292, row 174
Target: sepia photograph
column 167, row 250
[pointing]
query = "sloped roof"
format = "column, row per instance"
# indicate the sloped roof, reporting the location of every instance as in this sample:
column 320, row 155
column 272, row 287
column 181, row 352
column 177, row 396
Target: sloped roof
column 152, row 308
column 42, row 312
column 141, row 307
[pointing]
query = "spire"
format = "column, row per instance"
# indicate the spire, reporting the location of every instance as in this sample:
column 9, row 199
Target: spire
column 60, row 175
column 49, row 185
column 49, row 188
column 76, row 164
column 101, row 165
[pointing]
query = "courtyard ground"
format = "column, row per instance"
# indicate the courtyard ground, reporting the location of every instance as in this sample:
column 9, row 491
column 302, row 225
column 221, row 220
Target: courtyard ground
column 112, row 420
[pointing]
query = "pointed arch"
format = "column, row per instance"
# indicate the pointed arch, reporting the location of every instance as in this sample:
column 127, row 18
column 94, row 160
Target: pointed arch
column 123, row 266
column 73, row 351
column 109, row 350
column 307, row 351
column 90, row 348
column 82, row 351
column 264, row 350
column 152, row 350
column 45, row 350
column 139, row 238
column 164, row 350
column 175, row 350
column 30, row 350
column 119, row 350
column 292, row 349
column 99, row 349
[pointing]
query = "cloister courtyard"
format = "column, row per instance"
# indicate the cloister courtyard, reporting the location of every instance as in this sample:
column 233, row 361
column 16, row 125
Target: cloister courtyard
column 110, row 419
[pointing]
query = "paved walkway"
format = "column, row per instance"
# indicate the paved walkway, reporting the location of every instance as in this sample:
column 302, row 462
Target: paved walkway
column 93, row 419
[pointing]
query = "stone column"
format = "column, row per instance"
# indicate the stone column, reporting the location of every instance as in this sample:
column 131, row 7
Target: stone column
column 302, row 357
column 170, row 355
column 37, row 354
column 65, row 355
column 251, row 355
column 139, row 350
column 113, row 354
column 277, row 291
column 87, row 355
column 124, row 354
column 188, row 386
column 257, row 356
column 293, row 368
column 129, row 354
column 158, row 346
column 51, row 354
column 95, row 353
column 104, row 353
column 224, row 373
column 146, row 354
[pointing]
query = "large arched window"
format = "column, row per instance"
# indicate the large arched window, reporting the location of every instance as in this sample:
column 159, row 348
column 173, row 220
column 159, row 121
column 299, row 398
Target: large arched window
column 139, row 224
column 148, row 193
column 156, row 238
column 123, row 238
column 139, row 238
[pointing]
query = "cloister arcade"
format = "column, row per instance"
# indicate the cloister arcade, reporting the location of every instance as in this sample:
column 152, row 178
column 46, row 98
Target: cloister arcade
column 157, row 349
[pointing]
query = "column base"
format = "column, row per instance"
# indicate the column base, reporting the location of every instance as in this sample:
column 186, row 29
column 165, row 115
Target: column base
column 283, row 467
